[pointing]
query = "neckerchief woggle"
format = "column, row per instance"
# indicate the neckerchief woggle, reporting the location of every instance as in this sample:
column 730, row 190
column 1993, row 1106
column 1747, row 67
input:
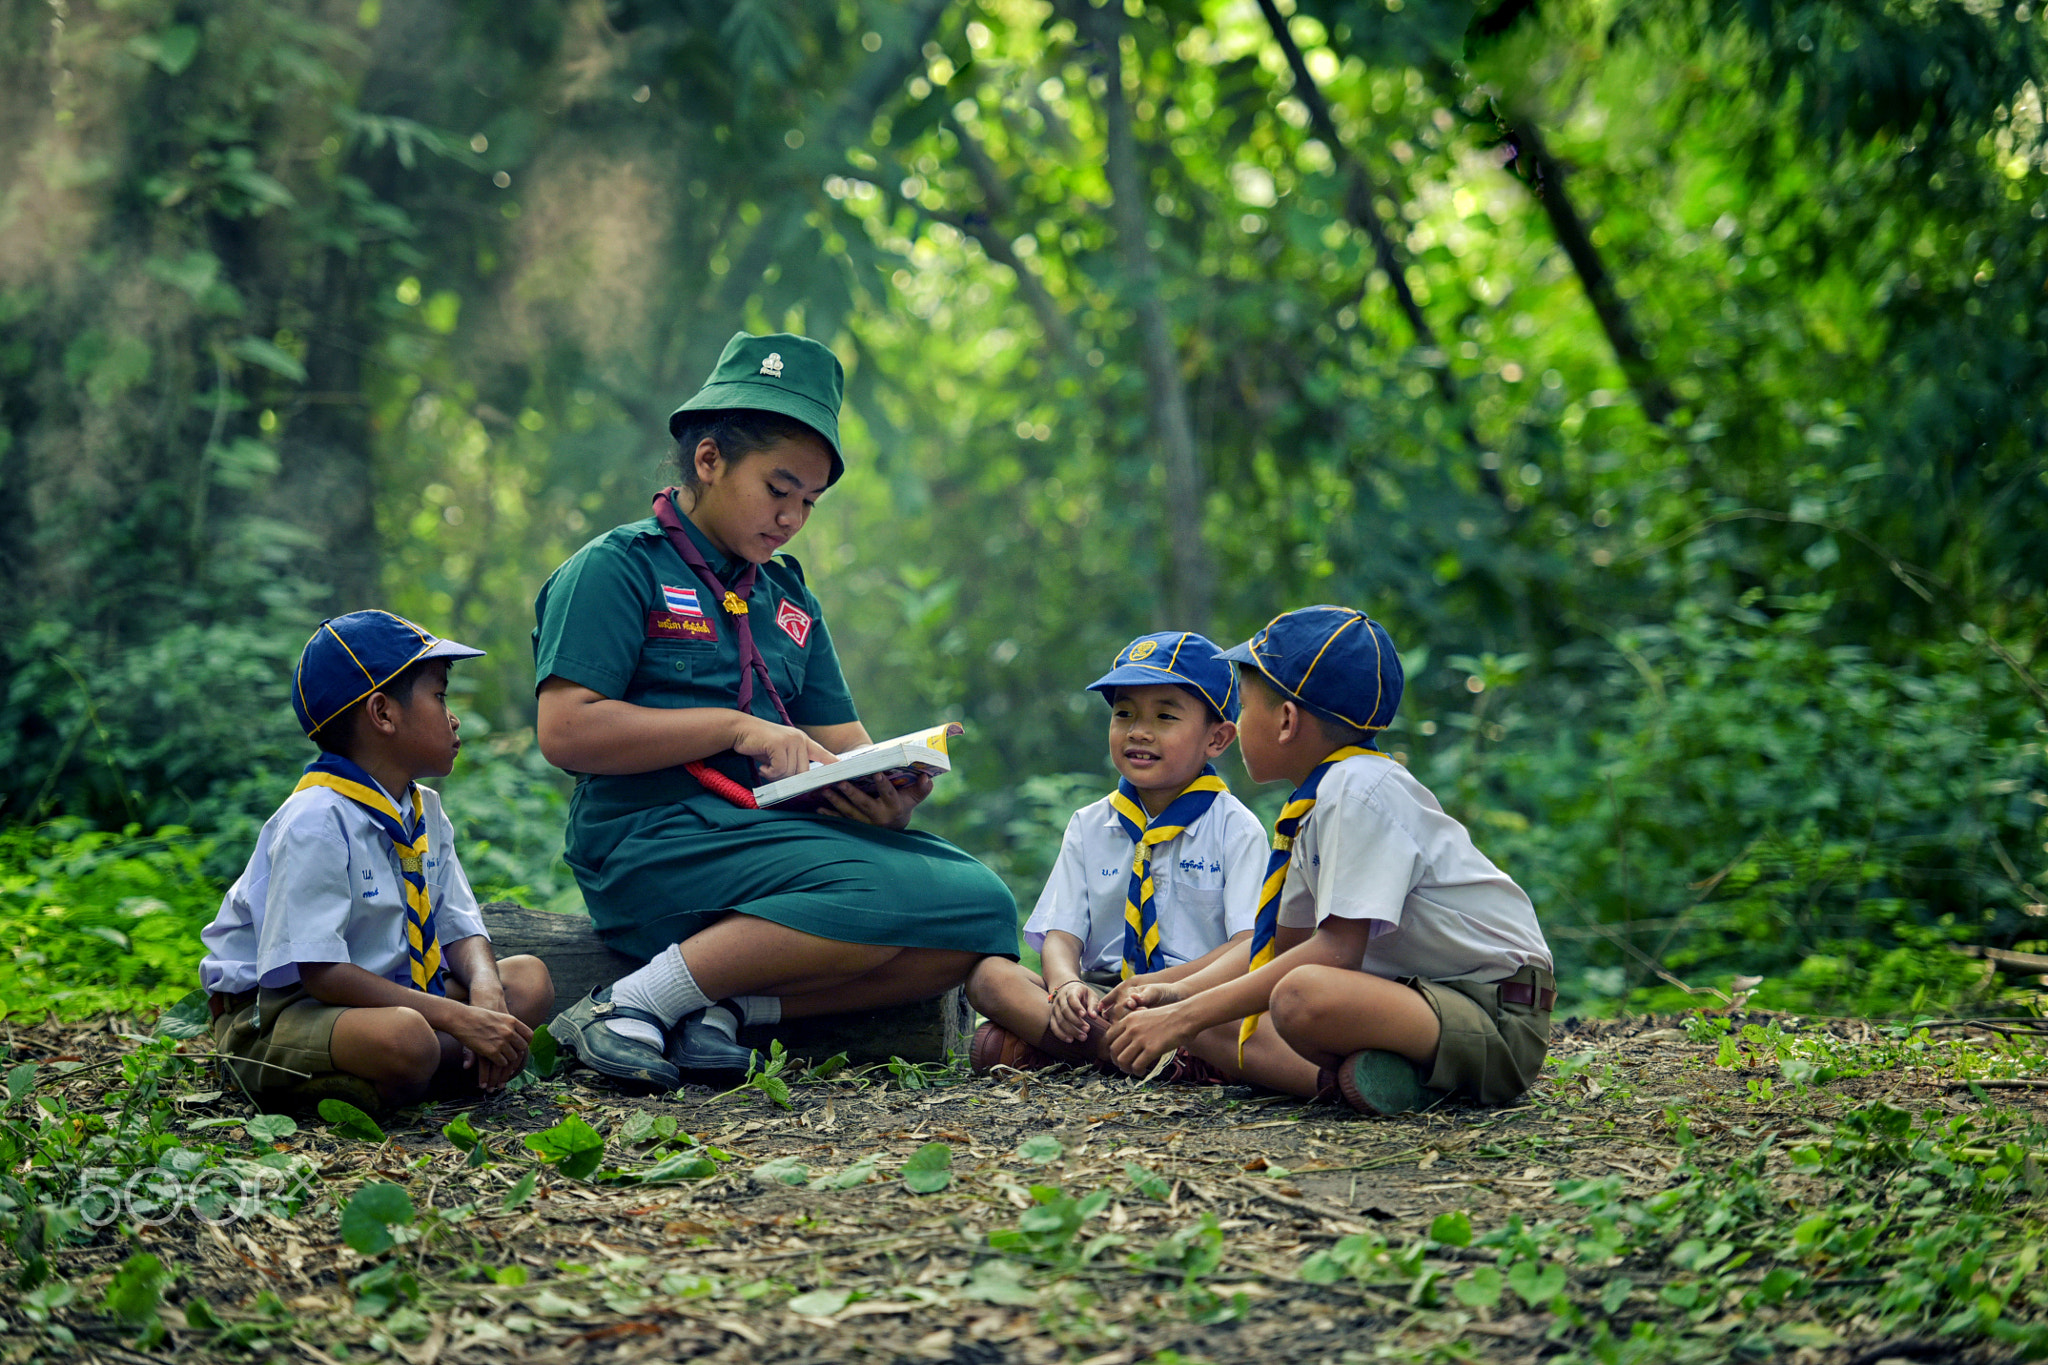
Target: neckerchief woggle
column 1141, row 915
column 423, row 945
column 1267, row 923
column 732, row 600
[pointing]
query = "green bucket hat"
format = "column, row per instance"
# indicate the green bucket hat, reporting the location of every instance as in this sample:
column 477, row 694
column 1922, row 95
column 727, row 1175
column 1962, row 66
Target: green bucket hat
column 780, row 373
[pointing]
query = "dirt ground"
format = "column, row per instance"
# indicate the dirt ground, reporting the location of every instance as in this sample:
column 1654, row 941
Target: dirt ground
column 612, row 1271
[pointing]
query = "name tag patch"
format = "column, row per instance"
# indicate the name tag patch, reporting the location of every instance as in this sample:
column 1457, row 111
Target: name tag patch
column 665, row 625
column 795, row 622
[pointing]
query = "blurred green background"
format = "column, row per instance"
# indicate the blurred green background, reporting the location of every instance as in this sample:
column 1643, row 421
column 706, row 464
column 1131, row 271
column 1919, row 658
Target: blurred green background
column 1666, row 374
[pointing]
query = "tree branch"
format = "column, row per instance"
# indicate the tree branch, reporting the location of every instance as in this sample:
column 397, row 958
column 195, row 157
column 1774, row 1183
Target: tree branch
column 995, row 196
column 1359, row 193
column 1188, row 595
column 1546, row 180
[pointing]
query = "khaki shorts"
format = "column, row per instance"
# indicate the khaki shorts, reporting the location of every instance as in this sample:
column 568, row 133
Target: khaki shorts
column 1491, row 1049
column 277, row 1039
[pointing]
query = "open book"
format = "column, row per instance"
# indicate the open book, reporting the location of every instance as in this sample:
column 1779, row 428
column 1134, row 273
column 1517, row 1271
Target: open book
column 901, row 761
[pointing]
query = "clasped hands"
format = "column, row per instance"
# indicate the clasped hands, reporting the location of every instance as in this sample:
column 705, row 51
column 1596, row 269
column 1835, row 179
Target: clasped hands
column 1140, row 1017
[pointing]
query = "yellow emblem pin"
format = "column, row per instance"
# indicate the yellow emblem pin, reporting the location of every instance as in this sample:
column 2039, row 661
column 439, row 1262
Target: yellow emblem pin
column 1143, row 650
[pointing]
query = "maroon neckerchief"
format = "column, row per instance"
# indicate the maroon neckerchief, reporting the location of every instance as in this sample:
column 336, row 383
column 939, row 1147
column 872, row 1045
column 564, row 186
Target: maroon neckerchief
column 742, row 588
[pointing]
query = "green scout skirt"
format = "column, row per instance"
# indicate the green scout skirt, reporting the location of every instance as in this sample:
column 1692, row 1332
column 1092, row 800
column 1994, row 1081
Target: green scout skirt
column 654, row 870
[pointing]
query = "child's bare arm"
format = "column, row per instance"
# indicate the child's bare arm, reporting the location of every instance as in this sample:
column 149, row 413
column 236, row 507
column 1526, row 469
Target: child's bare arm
column 472, row 962
column 1168, row 1016
column 1214, row 955
column 1232, row 953
column 1221, row 964
column 491, row 1034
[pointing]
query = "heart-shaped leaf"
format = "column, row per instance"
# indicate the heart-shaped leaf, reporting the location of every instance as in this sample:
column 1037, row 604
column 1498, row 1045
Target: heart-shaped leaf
column 1480, row 1289
column 572, row 1146
column 376, row 1209
column 272, row 1127
column 930, row 1169
column 1538, row 1282
column 1040, row 1148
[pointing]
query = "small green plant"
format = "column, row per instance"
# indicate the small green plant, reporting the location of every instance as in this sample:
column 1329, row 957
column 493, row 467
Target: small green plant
column 765, row 1075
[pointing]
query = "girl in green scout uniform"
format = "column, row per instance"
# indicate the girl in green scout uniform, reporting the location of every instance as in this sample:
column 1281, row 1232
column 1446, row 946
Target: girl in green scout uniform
column 680, row 663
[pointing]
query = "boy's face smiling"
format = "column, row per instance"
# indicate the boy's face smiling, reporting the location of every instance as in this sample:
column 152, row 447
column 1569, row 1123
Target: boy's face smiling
column 1160, row 736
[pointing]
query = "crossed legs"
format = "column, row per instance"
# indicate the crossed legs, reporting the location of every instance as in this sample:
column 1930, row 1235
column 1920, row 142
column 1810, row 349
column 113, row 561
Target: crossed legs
column 396, row 1050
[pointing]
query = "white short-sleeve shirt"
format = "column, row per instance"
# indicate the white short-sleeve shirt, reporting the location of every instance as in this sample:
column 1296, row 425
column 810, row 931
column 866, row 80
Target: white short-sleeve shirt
column 1378, row 847
column 1205, row 884
column 324, row 886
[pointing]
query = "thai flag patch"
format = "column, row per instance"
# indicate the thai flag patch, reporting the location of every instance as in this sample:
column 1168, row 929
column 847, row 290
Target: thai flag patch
column 681, row 601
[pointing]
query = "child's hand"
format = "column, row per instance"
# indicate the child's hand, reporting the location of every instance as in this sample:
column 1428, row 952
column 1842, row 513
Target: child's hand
column 1123, row 999
column 494, row 1043
column 1074, row 1012
column 1150, row 1029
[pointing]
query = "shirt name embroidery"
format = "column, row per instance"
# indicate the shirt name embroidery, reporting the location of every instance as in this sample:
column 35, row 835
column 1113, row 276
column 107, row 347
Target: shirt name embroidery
column 664, row 625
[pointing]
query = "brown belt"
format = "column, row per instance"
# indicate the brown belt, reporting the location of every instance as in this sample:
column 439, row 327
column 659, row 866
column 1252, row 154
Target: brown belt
column 218, row 1004
column 1522, row 993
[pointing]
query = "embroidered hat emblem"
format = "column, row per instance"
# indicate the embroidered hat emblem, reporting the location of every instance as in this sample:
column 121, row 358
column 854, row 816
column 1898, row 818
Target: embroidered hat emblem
column 1143, row 649
column 795, row 622
column 772, row 366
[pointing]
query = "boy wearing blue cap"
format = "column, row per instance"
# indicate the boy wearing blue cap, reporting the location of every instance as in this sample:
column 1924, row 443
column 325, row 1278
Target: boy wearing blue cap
column 1390, row 958
column 1152, row 882
column 349, row 960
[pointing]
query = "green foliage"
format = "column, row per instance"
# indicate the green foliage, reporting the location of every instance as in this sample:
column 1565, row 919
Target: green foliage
column 572, row 1147
column 350, row 1121
column 929, row 1169
column 92, row 921
column 373, row 1212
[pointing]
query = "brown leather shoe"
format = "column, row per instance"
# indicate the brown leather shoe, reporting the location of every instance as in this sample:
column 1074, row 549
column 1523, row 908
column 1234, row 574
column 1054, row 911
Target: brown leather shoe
column 1188, row 1069
column 995, row 1046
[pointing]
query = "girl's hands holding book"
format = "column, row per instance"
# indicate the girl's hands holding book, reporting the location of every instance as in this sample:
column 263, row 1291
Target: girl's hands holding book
column 889, row 807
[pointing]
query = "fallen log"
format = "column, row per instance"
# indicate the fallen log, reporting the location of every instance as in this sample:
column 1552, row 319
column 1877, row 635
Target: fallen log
column 926, row 1031
column 2007, row 961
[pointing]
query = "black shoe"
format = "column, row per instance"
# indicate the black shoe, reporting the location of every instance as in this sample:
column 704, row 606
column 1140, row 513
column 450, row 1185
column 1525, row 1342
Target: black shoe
column 706, row 1053
column 581, row 1029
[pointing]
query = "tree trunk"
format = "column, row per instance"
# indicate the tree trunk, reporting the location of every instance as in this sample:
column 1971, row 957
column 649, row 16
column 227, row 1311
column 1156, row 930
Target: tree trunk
column 1189, row 594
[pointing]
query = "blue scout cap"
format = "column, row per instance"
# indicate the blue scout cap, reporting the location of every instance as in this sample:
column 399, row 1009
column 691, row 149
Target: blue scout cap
column 351, row 656
column 1178, row 658
column 780, row 373
column 1332, row 658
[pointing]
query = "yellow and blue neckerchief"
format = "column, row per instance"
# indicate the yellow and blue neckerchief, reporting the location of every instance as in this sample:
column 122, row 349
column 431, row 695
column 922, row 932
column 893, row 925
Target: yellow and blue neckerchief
column 1267, row 923
column 1141, row 915
column 422, row 944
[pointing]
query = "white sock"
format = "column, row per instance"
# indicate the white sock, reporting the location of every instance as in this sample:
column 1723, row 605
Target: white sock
column 727, row 1015
column 664, row 988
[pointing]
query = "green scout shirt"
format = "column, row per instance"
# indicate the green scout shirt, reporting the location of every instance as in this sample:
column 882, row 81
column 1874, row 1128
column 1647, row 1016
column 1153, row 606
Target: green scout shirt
column 606, row 623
